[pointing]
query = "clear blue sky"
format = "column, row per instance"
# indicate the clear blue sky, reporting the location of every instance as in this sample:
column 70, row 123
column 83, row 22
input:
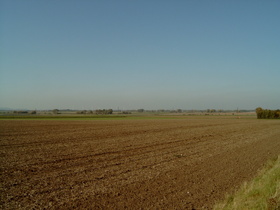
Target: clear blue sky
column 147, row 54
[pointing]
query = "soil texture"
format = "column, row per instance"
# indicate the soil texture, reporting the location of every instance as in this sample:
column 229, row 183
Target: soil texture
column 130, row 164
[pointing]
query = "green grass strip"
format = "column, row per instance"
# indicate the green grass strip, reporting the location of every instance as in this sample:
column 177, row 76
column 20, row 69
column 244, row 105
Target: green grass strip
column 263, row 192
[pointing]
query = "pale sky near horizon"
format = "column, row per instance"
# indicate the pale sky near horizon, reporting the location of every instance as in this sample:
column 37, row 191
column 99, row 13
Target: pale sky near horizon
column 157, row 54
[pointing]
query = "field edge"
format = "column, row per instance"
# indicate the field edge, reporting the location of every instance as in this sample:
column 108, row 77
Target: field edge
column 263, row 192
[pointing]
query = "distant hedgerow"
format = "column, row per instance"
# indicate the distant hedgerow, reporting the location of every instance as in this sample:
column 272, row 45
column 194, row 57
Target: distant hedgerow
column 104, row 111
column 267, row 113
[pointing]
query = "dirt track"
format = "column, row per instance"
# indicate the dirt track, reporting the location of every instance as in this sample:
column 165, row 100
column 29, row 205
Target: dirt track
column 179, row 163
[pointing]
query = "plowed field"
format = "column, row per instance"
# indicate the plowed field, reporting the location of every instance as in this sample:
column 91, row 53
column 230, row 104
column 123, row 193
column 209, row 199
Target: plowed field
column 133, row 164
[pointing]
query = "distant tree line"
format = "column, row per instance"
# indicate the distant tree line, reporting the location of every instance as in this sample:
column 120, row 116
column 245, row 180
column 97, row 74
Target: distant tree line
column 24, row 112
column 125, row 112
column 267, row 113
column 104, row 111
column 211, row 110
column 85, row 112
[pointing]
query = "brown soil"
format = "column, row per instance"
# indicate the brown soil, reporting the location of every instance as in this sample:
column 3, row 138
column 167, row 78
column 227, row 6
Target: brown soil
column 132, row 164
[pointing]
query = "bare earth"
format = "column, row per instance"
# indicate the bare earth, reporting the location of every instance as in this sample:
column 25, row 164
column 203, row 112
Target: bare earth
column 132, row 164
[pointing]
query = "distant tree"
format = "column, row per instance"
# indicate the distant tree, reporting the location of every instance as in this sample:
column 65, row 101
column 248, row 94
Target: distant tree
column 104, row 111
column 277, row 113
column 98, row 111
column 33, row 112
column 55, row 111
column 140, row 110
column 267, row 113
column 259, row 112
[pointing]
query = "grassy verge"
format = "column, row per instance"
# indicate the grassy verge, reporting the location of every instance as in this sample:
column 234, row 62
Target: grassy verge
column 263, row 192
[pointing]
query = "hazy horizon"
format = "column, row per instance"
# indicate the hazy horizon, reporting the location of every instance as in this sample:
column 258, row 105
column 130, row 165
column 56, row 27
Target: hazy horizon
column 144, row 110
column 139, row 54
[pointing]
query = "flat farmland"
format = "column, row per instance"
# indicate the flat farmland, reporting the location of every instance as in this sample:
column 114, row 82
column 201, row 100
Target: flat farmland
column 184, row 163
